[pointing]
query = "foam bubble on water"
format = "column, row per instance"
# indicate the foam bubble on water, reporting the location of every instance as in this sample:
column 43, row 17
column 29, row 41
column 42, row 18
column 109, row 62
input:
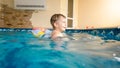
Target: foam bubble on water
column 114, row 54
column 118, row 27
column 117, row 58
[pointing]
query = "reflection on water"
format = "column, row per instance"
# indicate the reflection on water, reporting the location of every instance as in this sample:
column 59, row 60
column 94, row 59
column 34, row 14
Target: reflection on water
column 83, row 51
column 95, row 45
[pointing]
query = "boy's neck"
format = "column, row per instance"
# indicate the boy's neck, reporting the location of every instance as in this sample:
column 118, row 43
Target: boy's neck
column 57, row 30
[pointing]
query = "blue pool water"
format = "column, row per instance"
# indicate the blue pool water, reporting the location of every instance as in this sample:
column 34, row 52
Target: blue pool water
column 20, row 49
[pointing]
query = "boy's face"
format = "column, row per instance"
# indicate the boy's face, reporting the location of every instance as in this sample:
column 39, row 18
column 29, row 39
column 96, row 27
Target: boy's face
column 60, row 24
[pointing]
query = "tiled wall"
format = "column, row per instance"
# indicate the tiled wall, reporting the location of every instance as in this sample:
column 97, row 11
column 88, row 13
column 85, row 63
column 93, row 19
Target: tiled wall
column 106, row 33
column 11, row 18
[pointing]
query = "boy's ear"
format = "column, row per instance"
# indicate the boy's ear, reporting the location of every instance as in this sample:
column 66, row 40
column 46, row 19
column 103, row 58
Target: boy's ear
column 55, row 24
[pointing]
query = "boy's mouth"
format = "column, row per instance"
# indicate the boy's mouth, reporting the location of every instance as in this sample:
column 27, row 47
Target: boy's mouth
column 64, row 27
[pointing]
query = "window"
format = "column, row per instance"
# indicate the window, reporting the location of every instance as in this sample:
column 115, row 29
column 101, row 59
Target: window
column 70, row 14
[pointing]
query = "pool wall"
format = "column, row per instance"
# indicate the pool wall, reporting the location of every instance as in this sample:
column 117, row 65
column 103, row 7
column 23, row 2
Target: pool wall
column 105, row 33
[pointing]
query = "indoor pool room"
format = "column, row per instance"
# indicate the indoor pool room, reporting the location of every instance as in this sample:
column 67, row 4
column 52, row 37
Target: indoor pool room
column 59, row 34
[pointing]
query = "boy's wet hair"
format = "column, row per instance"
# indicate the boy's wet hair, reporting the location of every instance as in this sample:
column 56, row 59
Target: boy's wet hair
column 54, row 18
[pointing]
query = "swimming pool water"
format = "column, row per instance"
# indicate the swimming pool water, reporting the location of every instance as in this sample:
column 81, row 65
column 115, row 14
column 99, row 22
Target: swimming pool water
column 23, row 50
